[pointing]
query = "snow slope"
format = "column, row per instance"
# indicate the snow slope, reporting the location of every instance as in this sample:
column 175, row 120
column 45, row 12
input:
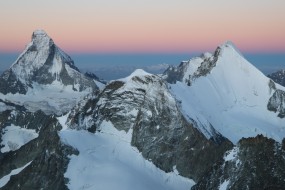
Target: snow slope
column 13, row 137
column 44, row 77
column 51, row 98
column 232, row 96
column 106, row 161
column 5, row 179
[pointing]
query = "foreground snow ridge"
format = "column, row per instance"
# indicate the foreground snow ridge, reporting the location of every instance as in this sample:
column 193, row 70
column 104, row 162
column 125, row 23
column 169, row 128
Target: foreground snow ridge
column 13, row 137
column 108, row 161
column 4, row 180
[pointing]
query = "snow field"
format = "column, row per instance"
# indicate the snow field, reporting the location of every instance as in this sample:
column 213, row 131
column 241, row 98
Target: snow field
column 13, row 137
column 107, row 161
column 232, row 98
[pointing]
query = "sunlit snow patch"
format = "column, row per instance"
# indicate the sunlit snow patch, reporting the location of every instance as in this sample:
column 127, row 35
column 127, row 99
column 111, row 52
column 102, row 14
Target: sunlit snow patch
column 224, row 185
column 106, row 160
column 51, row 98
column 232, row 98
column 4, row 180
column 13, row 137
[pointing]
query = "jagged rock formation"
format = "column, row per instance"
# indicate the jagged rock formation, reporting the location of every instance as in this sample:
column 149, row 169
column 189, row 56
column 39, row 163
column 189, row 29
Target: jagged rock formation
column 277, row 103
column 204, row 64
column 225, row 92
column 143, row 104
column 204, row 124
column 278, row 77
column 45, row 78
column 42, row 62
column 255, row 163
column 45, row 158
column 92, row 76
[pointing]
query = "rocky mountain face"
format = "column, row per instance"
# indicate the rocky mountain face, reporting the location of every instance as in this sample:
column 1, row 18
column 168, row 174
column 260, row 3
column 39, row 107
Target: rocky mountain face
column 45, row 78
column 43, row 159
column 277, row 103
column 143, row 104
column 254, row 163
column 278, row 77
column 225, row 92
column 202, row 66
column 42, row 62
column 214, row 119
column 230, row 84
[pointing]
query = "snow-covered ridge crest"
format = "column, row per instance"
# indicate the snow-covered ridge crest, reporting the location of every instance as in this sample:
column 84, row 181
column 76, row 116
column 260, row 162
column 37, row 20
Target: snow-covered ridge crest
column 40, row 39
column 43, row 62
column 231, row 45
column 34, row 56
column 43, row 68
column 227, row 92
column 189, row 71
column 136, row 73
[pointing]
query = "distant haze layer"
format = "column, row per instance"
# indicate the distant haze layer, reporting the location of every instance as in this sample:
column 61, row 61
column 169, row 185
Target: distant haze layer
column 114, row 66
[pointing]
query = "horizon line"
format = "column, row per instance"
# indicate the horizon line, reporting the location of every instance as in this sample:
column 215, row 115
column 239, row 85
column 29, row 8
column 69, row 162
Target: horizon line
column 146, row 52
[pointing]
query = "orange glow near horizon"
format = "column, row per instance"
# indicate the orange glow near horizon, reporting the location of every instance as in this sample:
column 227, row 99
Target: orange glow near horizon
column 126, row 26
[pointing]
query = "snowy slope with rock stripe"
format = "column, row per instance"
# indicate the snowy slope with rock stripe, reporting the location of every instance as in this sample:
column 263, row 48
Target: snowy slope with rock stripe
column 44, row 77
column 226, row 92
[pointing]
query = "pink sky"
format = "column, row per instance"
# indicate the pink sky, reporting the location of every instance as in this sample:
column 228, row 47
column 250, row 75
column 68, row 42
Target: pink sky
column 145, row 26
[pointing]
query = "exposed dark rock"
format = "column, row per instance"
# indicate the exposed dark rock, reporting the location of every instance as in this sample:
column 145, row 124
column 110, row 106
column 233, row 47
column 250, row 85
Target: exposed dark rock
column 43, row 63
column 14, row 106
column 175, row 143
column 93, row 76
column 174, row 74
column 255, row 163
column 160, row 131
column 272, row 86
column 48, row 156
column 10, row 84
column 276, row 103
column 278, row 77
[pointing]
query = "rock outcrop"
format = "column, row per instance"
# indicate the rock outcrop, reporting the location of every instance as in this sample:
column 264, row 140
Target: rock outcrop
column 255, row 163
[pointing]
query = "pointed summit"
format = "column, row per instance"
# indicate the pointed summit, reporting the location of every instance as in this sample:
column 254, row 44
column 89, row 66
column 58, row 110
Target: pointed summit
column 226, row 92
column 229, row 45
column 42, row 62
column 189, row 71
column 44, row 65
column 40, row 40
column 39, row 32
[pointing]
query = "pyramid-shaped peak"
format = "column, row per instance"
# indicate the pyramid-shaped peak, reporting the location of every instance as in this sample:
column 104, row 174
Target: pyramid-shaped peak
column 139, row 72
column 39, row 32
column 41, row 39
column 230, row 46
column 229, row 43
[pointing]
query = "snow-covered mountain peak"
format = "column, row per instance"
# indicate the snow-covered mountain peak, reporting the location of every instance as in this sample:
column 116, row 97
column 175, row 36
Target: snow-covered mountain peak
column 228, row 44
column 40, row 39
column 43, row 69
column 228, row 93
column 136, row 73
column 229, row 47
column 40, row 32
column 43, row 62
column 225, row 56
column 139, row 72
